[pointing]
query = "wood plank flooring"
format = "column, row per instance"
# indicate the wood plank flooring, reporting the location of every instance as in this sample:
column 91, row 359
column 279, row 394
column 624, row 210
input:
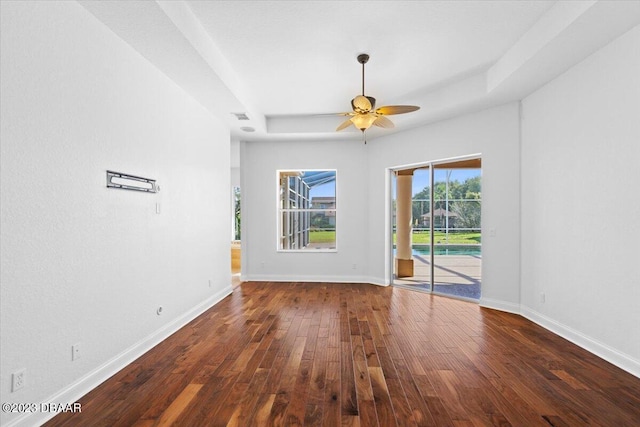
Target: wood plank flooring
column 321, row 354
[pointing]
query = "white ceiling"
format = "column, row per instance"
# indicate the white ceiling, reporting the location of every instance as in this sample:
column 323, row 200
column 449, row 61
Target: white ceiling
column 288, row 63
column 283, row 50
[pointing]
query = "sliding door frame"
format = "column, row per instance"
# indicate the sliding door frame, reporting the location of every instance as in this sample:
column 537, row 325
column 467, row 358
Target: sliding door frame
column 390, row 172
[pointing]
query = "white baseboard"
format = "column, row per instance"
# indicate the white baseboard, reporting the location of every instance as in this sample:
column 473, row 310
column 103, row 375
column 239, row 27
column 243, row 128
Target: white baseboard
column 377, row 281
column 93, row 379
column 96, row 377
column 611, row 355
column 302, row 278
column 495, row 304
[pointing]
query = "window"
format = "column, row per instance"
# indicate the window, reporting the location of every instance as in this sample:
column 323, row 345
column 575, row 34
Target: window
column 237, row 218
column 307, row 210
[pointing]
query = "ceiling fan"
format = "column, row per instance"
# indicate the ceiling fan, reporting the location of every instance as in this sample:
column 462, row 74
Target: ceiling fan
column 365, row 114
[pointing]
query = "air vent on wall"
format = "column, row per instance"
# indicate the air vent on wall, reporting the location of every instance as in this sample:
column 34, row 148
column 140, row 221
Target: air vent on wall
column 241, row 116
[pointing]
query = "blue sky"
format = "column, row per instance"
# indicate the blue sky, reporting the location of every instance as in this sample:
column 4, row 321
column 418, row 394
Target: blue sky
column 328, row 189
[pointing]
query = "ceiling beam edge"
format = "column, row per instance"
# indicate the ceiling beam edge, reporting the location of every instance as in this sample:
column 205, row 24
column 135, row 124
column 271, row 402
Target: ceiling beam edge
column 542, row 33
column 194, row 32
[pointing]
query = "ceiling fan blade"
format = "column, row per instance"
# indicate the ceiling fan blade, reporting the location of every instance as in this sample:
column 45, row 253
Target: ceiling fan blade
column 344, row 125
column 383, row 122
column 361, row 104
column 351, row 113
column 396, row 109
column 365, row 114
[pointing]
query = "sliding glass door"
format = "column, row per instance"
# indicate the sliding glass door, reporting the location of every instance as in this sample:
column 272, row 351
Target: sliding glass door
column 443, row 230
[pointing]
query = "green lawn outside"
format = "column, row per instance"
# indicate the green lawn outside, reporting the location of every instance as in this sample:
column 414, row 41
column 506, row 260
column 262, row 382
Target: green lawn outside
column 455, row 238
column 419, row 238
column 322, row 236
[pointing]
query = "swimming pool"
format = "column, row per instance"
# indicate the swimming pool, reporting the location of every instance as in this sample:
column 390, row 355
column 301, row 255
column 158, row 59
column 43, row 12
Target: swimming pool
column 475, row 250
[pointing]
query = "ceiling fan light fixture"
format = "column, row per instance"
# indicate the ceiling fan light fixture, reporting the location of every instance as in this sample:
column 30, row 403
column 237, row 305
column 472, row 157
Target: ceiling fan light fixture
column 363, row 121
column 365, row 114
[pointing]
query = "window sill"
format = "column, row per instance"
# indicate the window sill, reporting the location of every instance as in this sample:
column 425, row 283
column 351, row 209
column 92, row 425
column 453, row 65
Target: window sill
column 307, row 251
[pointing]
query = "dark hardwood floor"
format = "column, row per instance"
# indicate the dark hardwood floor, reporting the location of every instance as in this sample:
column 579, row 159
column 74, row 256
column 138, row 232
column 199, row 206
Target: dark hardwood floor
column 352, row 354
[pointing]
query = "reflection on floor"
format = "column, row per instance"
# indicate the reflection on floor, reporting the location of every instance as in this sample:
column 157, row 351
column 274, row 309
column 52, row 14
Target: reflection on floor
column 457, row 275
column 235, row 280
column 235, row 263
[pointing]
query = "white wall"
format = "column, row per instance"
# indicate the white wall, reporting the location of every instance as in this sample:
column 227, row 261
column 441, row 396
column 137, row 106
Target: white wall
column 494, row 133
column 557, row 190
column 260, row 259
column 81, row 263
column 580, row 204
column 361, row 200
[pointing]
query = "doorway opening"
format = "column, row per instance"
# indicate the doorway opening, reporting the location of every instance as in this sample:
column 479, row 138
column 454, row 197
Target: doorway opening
column 436, row 227
column 236, row 247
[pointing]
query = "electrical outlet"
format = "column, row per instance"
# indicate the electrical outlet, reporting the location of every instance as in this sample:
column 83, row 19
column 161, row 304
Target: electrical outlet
column 354, row 266
column 18, row 379
column 210, row 283
column 75, row 352
column 543, row 297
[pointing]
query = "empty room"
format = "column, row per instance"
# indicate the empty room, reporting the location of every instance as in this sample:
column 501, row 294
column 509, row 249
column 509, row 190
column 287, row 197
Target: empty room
column 320, row 213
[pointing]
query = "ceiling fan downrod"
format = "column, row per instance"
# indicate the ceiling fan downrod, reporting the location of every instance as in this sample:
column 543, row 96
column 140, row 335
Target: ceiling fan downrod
column 365, row 114
column 363, row 58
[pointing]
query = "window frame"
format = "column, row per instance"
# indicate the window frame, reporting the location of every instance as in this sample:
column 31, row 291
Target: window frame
column 304, row 213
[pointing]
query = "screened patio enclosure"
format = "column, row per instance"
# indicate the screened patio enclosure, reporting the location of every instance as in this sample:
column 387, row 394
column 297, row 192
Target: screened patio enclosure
column 436, row 226
column 307, row 205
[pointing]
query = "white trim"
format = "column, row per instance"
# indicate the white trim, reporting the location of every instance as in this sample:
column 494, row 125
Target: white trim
column 388, row 226
column 389, row 261
column 307, row 251
column 93, row 379
column 280, row 210
column 611, row 355
column 315, row 279
column 617, row 358
column 436, row 162
column 593, row 346
column 373, row 281
column 495, row 304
